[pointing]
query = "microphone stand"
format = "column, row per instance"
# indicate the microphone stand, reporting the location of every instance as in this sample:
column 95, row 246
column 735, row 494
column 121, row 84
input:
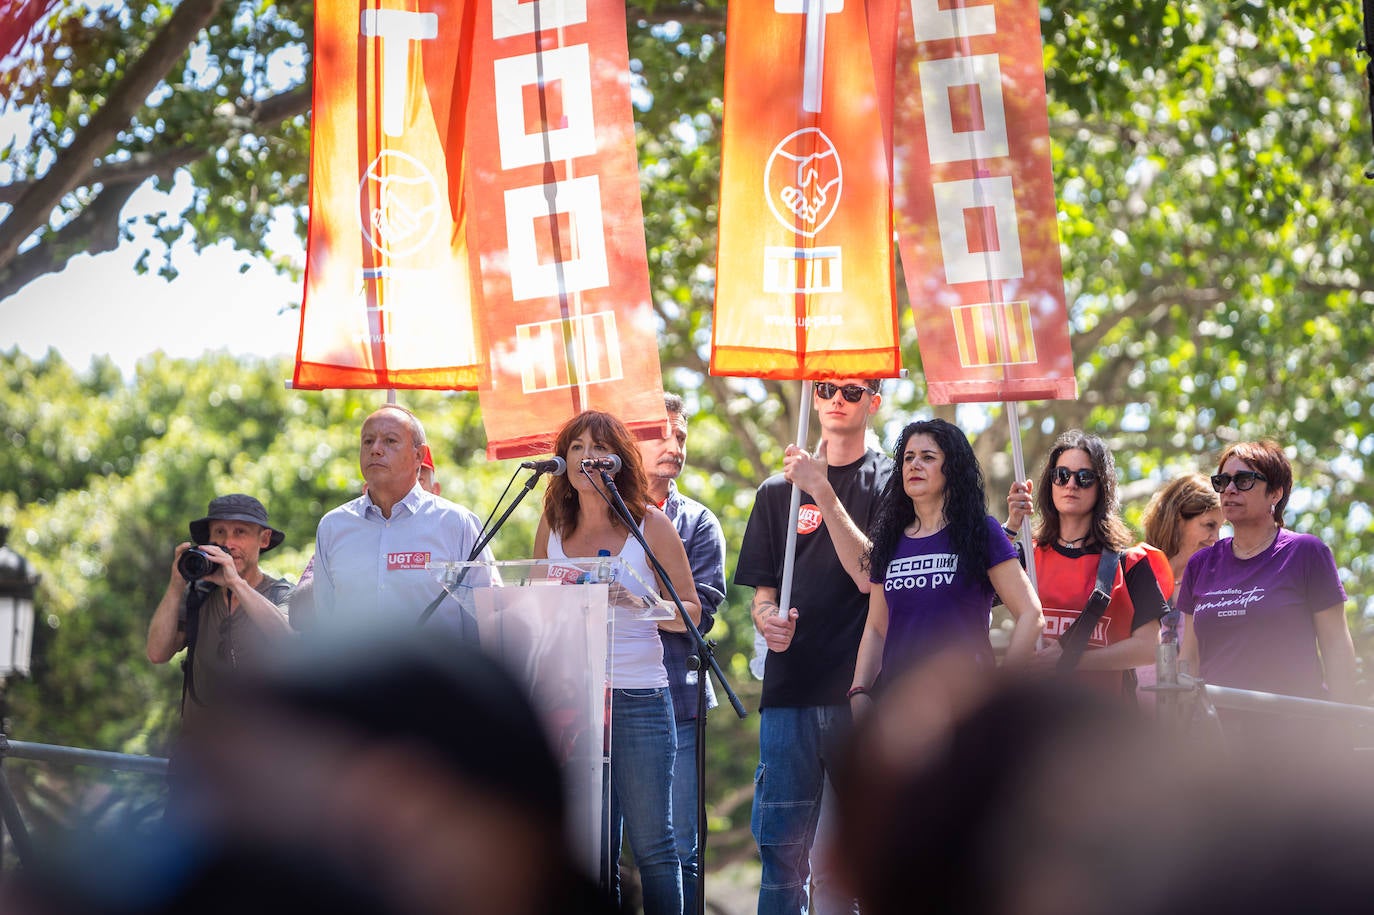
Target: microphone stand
column 706, row 659
column 479, row 546
column 703, row 647
column 700, row 726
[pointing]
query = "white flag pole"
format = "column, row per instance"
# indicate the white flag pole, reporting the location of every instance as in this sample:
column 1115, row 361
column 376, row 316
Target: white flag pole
column 1018, row 469
column 803, row 431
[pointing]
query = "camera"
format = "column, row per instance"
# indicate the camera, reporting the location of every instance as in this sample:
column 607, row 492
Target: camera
column 195, row 564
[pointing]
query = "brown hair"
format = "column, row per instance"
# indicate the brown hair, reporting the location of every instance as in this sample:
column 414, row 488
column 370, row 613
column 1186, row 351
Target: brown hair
column 1181, row 499
column 1267, row 457
column 561, row 505
column 1107, row 529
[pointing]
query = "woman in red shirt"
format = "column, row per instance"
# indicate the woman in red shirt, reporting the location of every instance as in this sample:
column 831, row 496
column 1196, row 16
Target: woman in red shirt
column 1079, row 517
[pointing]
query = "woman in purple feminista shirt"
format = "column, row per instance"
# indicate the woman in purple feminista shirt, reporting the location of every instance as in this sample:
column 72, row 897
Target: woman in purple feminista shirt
column 1259, row 605
column 940, row 558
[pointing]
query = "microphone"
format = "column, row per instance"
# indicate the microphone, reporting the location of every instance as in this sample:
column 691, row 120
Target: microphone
column 610, row 463
column 554, row 466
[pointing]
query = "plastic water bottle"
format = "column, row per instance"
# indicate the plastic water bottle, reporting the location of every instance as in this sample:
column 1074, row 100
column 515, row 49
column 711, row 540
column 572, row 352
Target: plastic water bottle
column 603, row 568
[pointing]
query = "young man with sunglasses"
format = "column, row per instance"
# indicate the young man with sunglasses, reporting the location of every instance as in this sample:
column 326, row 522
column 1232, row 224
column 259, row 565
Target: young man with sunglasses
column 804, row 715
column 228, row 617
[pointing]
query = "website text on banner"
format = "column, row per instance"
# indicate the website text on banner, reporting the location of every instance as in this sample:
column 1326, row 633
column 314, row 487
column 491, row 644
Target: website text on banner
column 553, row 170
column 805, row 282
column 387, row 293
column 976, row 213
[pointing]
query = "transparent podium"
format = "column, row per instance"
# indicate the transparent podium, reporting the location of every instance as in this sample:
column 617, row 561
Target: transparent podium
column 551, row 622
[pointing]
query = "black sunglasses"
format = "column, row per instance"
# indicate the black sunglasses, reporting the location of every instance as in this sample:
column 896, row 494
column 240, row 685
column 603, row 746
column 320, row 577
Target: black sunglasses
column 852, row 392
column 1245, row 480
column 1084, row 478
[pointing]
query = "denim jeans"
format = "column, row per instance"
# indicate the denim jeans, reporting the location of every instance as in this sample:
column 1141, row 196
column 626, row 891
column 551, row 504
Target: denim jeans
column 797, row 747
column 685, row 810
column 640, row 789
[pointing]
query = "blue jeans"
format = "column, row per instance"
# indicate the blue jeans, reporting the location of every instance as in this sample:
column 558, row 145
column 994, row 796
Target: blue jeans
column 685, row 810
column 797, row 748
column 640, row 794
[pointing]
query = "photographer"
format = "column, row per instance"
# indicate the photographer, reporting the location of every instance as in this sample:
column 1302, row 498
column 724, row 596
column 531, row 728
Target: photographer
column 219, row 604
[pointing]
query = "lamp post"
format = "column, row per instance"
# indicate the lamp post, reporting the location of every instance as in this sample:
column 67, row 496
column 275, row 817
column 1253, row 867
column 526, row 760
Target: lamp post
column 17, row 585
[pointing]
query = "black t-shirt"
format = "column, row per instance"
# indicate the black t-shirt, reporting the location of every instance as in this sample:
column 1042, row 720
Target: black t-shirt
column 818, row 666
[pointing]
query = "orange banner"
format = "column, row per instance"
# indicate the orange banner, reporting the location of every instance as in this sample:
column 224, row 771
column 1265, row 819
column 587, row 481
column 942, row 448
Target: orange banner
column 975, row 214
column 387, row 294
column 804, row 267
column 553, row 171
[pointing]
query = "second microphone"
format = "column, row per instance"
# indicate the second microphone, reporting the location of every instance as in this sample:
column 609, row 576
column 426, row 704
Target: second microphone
column 609, row 463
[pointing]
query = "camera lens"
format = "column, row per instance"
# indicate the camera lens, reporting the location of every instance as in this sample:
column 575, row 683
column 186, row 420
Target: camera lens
column 194, row 565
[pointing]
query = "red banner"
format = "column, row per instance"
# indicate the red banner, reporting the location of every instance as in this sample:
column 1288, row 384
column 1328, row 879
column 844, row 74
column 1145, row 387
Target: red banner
column 804, row 268
column 553, row 171
column 387, row 293
column 975, row 212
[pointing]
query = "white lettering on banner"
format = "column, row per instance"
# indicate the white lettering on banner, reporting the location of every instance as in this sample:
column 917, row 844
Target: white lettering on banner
column 813, row 68
column 987, row 201
column 934, row 22
column 543, row 352
column 791, row 270
column 938, row 77
column 569, row 211
column 397, row 29
column 571, row 69
column 963, row 265
column 580, row 199
column 521, row 17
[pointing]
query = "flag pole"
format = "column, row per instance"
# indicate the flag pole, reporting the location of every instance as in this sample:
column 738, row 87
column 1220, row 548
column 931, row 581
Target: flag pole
column 803, row 431
column 1018, row 469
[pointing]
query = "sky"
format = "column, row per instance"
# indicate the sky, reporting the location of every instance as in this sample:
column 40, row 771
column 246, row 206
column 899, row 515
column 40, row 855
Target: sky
column 101, row 306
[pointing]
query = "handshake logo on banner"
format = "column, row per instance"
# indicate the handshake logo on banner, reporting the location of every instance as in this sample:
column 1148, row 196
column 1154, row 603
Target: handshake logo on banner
column 804, row 179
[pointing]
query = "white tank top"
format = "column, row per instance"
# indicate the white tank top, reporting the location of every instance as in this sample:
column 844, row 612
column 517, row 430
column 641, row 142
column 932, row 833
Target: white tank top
column 636, row 660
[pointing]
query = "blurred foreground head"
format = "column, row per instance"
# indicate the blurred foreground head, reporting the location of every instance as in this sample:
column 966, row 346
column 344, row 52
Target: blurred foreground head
column 395, row 774
column 964, row 797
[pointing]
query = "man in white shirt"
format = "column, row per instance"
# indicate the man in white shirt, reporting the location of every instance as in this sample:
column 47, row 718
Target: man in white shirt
column 379, row 556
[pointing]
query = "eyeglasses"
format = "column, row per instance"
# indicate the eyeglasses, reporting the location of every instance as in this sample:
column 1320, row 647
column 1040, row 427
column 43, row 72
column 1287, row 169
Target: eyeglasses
column 1245, row 480
column 1084, row 478
column 852, row 392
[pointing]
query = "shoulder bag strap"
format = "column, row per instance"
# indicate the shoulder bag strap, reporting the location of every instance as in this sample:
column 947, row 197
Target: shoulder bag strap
column 1074, row 641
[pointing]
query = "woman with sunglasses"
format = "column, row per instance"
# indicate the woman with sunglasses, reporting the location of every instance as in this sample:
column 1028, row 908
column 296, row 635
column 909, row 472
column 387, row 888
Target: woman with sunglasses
column 1182, row 518
column 578, row 521
column 939, row 558
column 1265, row 600
column 1079, row 518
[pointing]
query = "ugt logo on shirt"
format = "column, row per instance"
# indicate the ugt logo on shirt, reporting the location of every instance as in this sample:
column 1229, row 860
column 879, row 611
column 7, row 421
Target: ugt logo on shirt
column 808, row 519
column 398, row 561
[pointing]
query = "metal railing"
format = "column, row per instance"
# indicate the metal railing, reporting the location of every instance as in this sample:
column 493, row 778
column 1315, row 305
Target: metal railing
column 12, row 819
column 1182, row 698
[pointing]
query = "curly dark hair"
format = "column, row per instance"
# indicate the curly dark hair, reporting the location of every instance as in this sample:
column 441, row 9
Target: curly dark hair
column 1108, row 530
column 965, row 506
column 561, row 505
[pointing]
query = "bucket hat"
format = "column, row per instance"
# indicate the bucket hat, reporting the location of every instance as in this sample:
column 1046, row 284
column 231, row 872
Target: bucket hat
column 235, row 507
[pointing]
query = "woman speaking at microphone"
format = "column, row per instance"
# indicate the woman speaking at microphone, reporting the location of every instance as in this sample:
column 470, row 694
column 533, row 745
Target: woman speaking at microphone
column 578, row 521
